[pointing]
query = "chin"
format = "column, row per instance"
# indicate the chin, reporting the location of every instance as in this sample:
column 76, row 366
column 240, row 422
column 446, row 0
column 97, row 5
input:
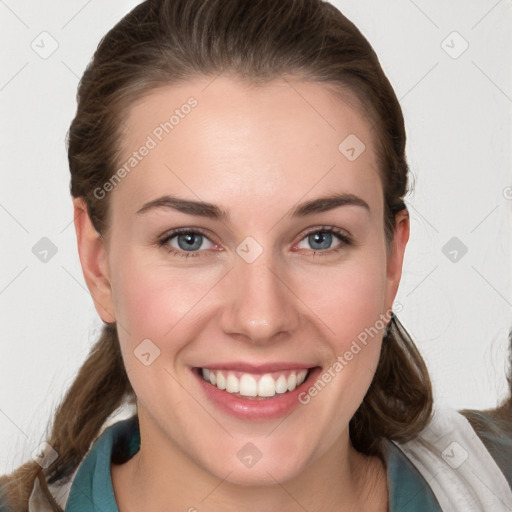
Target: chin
column 261, row 473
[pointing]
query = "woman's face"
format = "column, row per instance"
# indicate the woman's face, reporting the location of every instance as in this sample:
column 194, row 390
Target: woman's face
column 267, row 289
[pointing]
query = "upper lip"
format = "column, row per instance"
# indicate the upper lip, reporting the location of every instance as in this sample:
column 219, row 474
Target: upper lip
column 258, row 368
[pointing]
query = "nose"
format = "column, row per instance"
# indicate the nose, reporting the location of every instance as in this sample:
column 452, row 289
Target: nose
column 260, row 305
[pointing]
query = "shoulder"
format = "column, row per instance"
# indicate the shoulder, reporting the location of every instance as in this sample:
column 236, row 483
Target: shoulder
column 459, row 467
column 117, row 441
column 494, row 429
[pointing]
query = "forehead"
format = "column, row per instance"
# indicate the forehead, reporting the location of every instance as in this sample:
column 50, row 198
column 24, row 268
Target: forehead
column 220, row 139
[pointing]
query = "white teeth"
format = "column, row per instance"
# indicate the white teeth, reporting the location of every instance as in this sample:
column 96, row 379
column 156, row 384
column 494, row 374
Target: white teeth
column 281, row 384
column 292, row 382
column 221, row 381
column 267, row 386
column 232, row 384
column 248, row 385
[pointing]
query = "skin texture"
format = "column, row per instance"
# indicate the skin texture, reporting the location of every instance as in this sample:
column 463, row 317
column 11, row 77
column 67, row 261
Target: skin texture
column 256, row 152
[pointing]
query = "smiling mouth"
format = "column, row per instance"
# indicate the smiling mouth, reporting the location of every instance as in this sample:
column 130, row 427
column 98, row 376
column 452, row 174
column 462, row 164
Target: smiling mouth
column 255, row 386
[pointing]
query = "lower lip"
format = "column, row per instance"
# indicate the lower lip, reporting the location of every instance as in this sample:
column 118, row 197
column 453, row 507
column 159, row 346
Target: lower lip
column 249, row 408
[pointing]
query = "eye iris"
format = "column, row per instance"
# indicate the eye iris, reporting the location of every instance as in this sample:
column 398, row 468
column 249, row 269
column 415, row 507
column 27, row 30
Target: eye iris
column 319, row 237
column 189, row 241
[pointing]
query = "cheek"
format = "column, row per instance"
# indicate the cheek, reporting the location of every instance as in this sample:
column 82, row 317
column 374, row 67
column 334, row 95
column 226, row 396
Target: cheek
column 361, row 302
column 152, row 298
column 348, row 297
column 156, row 303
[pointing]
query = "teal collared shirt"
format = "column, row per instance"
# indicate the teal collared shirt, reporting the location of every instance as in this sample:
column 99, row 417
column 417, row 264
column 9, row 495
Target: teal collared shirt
column 92, row 489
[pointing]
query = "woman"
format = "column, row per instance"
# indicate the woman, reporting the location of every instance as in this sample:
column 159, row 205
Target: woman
column 238, row 173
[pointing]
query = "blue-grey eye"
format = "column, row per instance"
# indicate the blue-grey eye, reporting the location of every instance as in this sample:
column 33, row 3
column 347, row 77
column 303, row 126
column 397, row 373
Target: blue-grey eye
column 322, row 238
column 189, row 241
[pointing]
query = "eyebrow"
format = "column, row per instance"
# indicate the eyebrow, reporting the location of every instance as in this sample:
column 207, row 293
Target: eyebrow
column 212, row 211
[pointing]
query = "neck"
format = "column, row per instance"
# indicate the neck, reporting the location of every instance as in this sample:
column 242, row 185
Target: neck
column 341, row 480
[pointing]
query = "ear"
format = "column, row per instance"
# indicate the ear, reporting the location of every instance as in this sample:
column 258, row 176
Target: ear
column 94, row 260
column 396, row 256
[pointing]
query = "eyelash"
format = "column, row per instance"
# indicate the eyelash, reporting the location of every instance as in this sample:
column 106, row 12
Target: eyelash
column 163, row 242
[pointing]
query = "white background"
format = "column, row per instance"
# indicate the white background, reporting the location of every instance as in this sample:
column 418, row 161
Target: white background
column 458, row 121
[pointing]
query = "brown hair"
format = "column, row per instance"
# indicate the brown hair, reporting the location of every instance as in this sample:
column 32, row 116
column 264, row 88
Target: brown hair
column 169, row 41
